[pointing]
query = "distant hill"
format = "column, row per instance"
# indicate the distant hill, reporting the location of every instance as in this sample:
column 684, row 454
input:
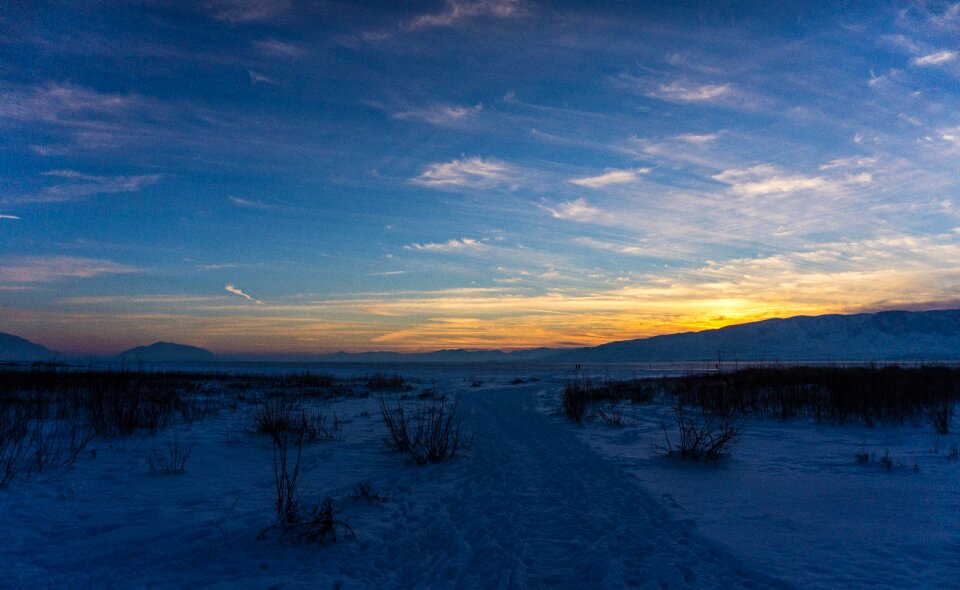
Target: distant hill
column 882, row 336
column 889, row 335
column 17, row 349
column 167, row 352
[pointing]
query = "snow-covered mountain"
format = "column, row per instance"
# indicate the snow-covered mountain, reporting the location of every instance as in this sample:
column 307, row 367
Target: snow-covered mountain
column 15, row 348
column 167, row 352
column 889, row 335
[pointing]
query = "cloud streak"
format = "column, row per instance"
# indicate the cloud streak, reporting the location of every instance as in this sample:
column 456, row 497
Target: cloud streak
column 439, row 114
column 458, row 11
column 78, row 185
column 246, row 11
column 236, row 291
column 764, row 180
column 610, row 177
column 938, row 58
column 474, row 172
column 459, row 245
column 45, row 269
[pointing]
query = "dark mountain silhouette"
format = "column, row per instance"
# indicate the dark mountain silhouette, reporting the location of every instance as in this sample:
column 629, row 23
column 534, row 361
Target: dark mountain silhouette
column 167, row 352
column 882, row 336
column 15, row 348
column 889, row 335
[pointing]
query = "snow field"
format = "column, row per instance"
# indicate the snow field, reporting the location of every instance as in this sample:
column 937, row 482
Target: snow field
column 536, row 502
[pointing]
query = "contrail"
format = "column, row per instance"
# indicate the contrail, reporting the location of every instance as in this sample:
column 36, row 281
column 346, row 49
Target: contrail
column 236, row 291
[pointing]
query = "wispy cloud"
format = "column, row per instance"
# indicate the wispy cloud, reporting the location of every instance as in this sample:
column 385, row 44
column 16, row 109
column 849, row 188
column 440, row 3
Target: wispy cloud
column 851, row 162
column 698, row 139
column 387, row 273
column 611, row 246
column 610, row 177
column 49, row 150
column 9, row 217
column 246, row 11
column 765, row 179
column 935, row 59
column 280, row 48
column 680, row 91
column 258, row 78
column 79, row 185
column 576, row 210
column 252, row 204
column 53, row 102
column 236, row 291
column 458, row 11
column 472, row 172
column 442, row 115
column 43, row 269
column 461, row 245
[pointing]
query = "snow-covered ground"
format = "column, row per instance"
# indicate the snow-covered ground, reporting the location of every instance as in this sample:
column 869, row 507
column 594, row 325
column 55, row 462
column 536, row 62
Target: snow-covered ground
column 536, row 502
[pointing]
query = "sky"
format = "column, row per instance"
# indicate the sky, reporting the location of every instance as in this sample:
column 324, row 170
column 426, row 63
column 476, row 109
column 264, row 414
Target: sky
column 271, row 176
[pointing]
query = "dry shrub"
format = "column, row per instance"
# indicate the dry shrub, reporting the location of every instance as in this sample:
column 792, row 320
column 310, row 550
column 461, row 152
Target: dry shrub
column 704, row 436
column 433, row 433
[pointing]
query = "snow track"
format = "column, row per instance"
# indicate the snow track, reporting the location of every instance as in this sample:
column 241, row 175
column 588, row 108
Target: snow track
column 532, row 507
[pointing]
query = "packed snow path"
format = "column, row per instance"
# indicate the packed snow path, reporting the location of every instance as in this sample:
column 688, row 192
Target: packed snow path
column 528, row 506
column 535, row 508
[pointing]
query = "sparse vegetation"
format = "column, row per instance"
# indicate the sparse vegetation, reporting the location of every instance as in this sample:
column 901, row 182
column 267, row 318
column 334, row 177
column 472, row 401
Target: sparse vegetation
column 611, row 415
column 381, row 382
column 277, row 415
column 171, row 462
column 39, row 432
column 573, row 401
column 433, row 433
column 886, row 461
column 839, row 394
column 364, row 491
column 580, row 390
column 318, row 525
column 287, row 453
column 940, row 414
column 703, row 435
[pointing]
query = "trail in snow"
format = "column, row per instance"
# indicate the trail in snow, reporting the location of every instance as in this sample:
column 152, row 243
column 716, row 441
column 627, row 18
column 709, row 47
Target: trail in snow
column 534, row 508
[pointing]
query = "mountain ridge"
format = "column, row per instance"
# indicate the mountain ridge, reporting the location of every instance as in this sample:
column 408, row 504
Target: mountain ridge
column 880, row 336
column 167, row 352
column 16, row 349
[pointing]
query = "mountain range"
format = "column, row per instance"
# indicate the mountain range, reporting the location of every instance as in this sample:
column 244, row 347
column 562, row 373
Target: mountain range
column 881, row 336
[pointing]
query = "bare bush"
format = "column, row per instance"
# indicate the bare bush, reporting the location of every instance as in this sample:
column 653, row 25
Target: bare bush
column 886, row 461
column 612, row 416
column 573, row 401
column 940, row 415
column 703, row 435
column 14, row 428
column 287, row 453
column 38, row 433
column 381, row 382
column 364, row 491
column 274, row 416
column 173, row 461
column 432, row 434
column 318, row 525
column 277, row 416
column 319, row 428
column 121, row 411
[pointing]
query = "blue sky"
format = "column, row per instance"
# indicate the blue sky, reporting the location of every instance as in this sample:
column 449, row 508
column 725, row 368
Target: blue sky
column 276, row 176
